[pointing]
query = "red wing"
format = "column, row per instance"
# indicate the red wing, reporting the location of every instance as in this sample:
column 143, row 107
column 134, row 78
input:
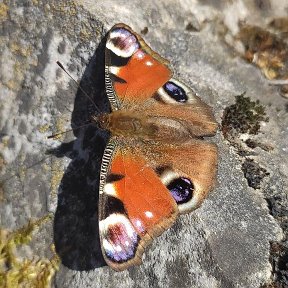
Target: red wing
column 134, row 208
column 133, row 72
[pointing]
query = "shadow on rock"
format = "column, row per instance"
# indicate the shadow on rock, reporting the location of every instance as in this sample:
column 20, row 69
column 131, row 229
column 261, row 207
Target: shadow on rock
column 76, row 228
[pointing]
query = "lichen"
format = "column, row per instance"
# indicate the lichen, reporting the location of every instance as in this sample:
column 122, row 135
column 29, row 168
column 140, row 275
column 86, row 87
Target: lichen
column 44, row 128
column 3, row 11
column 4, row 142
column 57, row 174
column 244, row 116
column 68, row 8
column 72, row 10
column 15, row 272
column 19, row 49
column 2, row 162
column 59, row 129
column 253, row 173
column 85, row 33
column 266, row 50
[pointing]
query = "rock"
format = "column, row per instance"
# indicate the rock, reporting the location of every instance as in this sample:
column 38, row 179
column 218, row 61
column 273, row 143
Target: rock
column 226, row 242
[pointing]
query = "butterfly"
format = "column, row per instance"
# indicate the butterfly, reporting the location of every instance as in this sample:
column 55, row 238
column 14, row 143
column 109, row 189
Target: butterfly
column 156, row 164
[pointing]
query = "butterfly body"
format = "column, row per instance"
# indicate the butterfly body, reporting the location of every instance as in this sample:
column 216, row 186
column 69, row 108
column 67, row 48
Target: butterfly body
column 156, row 164
column 133, row 125
column 128, row 124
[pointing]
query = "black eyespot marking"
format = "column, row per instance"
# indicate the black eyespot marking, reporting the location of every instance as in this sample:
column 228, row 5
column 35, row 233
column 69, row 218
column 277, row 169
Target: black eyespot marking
column 175, row 92
column 116, row 60
column 115, row 78
column 181, row 190
column 112, row 205
column 161, row 169
column 114, row 177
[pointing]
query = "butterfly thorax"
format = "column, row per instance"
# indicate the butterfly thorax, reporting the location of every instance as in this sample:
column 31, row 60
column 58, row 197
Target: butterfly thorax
column 140, row 125
column 127, row 124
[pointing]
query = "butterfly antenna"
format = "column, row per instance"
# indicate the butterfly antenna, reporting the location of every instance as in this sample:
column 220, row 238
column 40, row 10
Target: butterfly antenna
column 79, row 86
column 64, row 132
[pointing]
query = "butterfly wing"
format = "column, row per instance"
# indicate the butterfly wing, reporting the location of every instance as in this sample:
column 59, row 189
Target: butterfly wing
column 188, row 170
column 176, row 102
column 143, row 187
column 133, row 72
column 135, row 206
column 138, row 79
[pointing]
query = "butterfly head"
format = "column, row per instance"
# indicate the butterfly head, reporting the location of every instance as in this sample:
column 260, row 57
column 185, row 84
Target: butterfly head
column 101, row 121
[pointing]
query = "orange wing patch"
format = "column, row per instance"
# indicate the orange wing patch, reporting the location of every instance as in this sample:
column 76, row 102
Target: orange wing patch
column 133, row 71
column 143, row 75
column 149, row 204
column 136, row 207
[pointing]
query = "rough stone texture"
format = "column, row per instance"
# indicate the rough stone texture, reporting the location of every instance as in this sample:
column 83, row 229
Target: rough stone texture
column 225, row 243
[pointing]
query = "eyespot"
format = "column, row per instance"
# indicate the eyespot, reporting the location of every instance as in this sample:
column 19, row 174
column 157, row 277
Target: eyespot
column 181, row 189
column 122, row 42
column 119, row 238
column 176, row 92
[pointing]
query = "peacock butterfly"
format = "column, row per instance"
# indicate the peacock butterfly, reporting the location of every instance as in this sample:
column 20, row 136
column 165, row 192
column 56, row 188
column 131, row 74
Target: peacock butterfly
column 156, row 164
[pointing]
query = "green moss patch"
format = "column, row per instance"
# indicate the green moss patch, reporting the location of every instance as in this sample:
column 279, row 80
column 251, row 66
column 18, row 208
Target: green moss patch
column 244, row 116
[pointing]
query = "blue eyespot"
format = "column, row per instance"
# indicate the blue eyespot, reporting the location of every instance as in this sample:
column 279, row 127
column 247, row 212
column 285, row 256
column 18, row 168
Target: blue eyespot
column 181, row 189
column 175, row 92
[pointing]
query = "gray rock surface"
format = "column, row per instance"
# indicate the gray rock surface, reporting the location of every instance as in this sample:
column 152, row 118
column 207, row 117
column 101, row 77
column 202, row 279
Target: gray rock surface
column 226, row 242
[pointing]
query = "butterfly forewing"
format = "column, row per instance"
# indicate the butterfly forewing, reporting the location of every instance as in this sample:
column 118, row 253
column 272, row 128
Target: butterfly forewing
column 188, row 170
column 135, row 206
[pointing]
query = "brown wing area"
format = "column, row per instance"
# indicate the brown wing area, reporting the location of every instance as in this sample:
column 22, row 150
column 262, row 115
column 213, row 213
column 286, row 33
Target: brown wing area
column 149, row 209
column 133, row 70
column 197, row 119
column 178, row 102
column 195, row 160
column 164, row 122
